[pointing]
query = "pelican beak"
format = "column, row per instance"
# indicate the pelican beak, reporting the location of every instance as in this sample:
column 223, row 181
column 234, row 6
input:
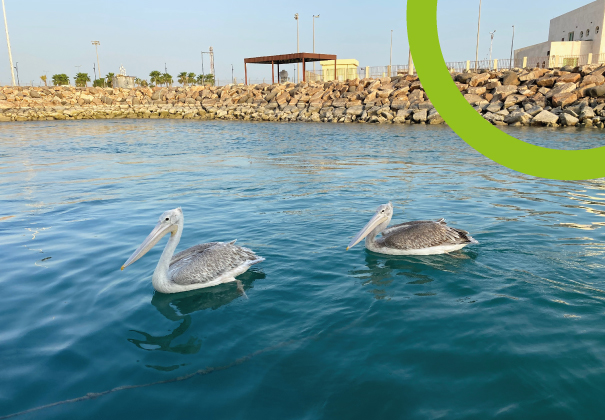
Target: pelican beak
column 154, row 237
column 377, row 220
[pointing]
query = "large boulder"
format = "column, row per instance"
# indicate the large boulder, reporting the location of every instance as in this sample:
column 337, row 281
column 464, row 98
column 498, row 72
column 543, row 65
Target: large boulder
column 567, row 87
column 355, row 110
column 545, row 118
column 510, row 78
column 548, row 81
column 596, row 91
column 517, row 117
column 506, row 89
column 421, row 115
column 564, row 99
column 568, row 120
column 570, row 78
column 479, row 79
column 590, row 79
column 476, row 90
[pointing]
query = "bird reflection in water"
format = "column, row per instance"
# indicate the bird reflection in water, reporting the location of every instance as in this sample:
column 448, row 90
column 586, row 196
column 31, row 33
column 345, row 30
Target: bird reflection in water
column 179, row 308
column 382, row 270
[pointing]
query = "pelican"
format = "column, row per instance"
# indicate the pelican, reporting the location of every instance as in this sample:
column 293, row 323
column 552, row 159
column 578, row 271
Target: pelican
column 411, row 238
column 200, row 266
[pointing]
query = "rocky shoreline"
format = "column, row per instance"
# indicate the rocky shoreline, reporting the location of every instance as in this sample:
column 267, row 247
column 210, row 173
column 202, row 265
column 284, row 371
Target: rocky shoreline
column 536, row 97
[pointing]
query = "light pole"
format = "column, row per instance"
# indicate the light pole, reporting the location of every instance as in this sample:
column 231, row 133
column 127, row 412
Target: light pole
column 391, row 59
column 96, row 44
column 17, row 68
column 232, row 80
column 512, row 48
column 491, row 45
column 297, row 46
column 478, row 30
column 8, row 42
column 314, row 17
column 94, row 70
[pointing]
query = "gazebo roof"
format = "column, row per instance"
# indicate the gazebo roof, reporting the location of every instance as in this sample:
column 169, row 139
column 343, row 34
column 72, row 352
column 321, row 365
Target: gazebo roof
column 289, row 58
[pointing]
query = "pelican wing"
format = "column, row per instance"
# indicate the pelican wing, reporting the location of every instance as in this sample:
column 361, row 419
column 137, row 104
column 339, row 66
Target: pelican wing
column 207, row 262
column 424, row 234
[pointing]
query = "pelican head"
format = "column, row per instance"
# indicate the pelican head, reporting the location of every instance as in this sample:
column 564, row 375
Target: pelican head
column 377, row 224
column 169, row 222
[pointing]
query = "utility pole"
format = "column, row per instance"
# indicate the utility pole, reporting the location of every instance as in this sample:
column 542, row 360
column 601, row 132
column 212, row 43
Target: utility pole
column 94, row 70
column 8, row 42
column 96, row 44
column 512, row 48
column 297, row 46
column 391, row 59
column 17, row 68
column 232, row 79
column 478, row 30
column 314, row 17
column 491, row 45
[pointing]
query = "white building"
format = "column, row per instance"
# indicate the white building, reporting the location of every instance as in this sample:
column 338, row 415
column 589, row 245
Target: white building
column 574, row 38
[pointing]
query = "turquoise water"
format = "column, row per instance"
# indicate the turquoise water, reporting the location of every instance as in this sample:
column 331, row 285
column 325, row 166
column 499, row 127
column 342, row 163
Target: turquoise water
column 511, row 328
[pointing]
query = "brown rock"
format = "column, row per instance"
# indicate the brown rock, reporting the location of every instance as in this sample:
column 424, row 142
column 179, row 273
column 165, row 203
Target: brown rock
column 597, row 80
column 547, row 81
column 564, row 99
column 479, row 79
column 476, row 90
column 570, row 78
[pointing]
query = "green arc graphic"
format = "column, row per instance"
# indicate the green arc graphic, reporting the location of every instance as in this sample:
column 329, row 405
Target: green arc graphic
column 471, row 126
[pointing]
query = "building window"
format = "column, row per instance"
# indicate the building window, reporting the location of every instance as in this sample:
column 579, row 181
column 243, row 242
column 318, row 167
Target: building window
column 587, row 32
column 562, row 39
column 581, row 34
column 570, row 36
column 597, row 30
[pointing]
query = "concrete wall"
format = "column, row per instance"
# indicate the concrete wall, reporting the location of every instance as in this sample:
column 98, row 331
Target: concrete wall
column 578, row 21
column 538, row 50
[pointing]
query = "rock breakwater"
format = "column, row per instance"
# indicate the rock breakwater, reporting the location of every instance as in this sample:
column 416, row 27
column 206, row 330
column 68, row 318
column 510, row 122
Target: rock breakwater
column 539, row 97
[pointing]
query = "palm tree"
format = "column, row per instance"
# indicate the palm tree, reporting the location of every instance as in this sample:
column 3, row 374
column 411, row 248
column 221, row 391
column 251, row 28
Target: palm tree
column 167, row 79
column 200, row 79
column 82, row 79
column 155, row 77
column 109, row 79
column 209, row 78
column 44, row 80
column 60, row 79
column 191, row 78
column 183, row 78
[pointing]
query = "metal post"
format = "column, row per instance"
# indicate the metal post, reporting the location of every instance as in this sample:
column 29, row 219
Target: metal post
column 96, row 44
column 232, row 79
column 272, row 73
column 304, row 77
column 245, row 73
column 297, row 47
column 335, row 77
column 491, row 45
column 478, row 31
column 314, row 17
column 203, row 74
column 278, row 75
column 8, row 42
column 391, row 59
column 17, row 68
column 94, row 70
column 511, row 48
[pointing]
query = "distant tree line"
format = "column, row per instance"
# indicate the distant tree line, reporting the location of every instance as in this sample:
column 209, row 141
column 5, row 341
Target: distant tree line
column 156, row 78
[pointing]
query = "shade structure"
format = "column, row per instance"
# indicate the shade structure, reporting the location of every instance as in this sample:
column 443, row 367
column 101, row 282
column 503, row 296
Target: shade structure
column 287, row 59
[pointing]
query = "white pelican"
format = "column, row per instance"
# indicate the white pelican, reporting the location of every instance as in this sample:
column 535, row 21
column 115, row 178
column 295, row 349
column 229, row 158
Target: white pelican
column 200, row 266
column 411, row 238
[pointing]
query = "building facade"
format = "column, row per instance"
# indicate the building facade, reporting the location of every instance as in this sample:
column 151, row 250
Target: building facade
column 574, row 34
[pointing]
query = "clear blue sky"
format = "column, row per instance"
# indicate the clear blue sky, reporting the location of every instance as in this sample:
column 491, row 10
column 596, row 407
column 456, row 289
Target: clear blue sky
column 55, row 36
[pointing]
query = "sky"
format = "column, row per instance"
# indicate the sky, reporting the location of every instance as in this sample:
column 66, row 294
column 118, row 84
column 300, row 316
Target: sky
column 55, row 37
